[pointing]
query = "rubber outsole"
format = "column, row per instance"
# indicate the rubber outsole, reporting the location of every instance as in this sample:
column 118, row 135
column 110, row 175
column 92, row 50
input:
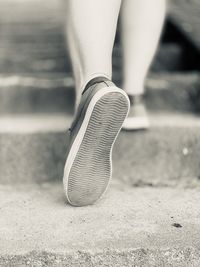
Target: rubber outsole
column 91, row 167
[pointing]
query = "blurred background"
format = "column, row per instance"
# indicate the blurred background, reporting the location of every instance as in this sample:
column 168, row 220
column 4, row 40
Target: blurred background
column 33, row 55
column 37, row 96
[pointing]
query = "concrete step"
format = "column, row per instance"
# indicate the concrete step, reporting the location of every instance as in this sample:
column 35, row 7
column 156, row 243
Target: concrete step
column 43, row 23
column 39, row 54
column 34, row 12
column 33, row 149
column 185, row 15
column 55, row 92
column 128, row 227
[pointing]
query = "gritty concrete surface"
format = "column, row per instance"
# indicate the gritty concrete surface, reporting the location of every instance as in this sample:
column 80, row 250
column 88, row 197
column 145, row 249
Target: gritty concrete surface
column 33, row 149
column 128, row 227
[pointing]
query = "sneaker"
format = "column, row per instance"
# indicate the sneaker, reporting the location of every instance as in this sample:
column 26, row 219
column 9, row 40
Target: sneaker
column 100, row 116
column 137, row 118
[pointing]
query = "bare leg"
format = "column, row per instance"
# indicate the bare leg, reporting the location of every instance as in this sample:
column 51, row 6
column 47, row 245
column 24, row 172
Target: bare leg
column 91, row 27
column 142, row 22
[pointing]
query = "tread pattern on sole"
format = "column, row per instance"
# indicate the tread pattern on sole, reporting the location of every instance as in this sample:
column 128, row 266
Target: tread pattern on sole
column 91, row 170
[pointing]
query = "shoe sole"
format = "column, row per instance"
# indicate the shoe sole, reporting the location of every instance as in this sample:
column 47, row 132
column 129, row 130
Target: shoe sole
column 88, row 167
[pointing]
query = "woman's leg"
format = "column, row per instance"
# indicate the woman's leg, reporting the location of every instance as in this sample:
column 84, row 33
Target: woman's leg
column 90, row 28
column 142, row 22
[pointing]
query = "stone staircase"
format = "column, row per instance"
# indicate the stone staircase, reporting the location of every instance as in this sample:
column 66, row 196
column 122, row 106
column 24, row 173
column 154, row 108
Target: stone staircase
column 150, row 216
